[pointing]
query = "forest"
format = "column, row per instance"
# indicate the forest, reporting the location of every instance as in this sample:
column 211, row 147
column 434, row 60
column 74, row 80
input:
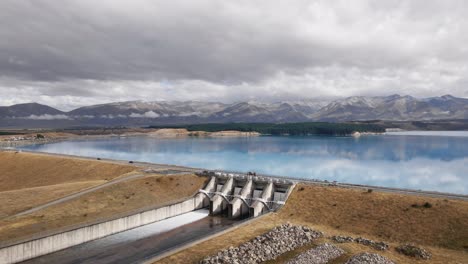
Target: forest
column 306, row 128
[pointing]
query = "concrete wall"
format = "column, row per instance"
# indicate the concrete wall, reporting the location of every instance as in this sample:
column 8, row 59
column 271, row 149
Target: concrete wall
column 257, row 208
column 45, row 245
column 237, row 207
column 204, row 201
column 218, row 204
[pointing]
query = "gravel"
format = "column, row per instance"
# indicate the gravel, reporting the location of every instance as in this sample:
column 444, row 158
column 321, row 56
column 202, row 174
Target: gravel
column 360, row 240
column 320, row 255
column 342, row 239
column 265, row 247
column 369, row 258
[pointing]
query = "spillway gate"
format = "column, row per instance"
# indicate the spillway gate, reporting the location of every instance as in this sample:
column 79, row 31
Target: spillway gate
column 241, row 195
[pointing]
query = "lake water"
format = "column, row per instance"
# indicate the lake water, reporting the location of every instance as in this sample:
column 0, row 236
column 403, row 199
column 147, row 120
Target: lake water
column 426, row 161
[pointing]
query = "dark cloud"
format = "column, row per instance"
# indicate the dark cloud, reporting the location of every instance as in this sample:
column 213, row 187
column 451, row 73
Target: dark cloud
column 236, row 49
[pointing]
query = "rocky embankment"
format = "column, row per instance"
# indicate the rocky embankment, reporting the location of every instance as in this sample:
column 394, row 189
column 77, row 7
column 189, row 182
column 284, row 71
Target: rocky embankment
column 319, row 255
column 369, row 258
column 268, row 246
column 25, row 141
column 360, row 240
column 19, row 140
column 285, row 238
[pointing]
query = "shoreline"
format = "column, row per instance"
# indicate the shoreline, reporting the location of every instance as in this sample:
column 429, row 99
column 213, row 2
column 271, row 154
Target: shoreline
column 20, row 140
column 14, row 141
column 403, row 191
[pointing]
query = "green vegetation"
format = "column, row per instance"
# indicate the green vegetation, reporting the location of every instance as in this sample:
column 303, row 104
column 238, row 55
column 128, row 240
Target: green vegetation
column 9, row 133
column 308, row 128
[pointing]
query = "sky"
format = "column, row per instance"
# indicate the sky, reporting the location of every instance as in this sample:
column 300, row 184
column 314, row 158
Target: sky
column 74, row 53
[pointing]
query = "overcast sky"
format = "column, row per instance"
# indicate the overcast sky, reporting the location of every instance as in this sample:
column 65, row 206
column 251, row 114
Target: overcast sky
column 73, row 53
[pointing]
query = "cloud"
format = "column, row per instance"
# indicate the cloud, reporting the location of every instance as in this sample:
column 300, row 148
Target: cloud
column 46, row 117
column 149, row 114
column 78, row 52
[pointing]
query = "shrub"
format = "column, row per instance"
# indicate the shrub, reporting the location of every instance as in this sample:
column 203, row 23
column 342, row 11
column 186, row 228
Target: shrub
column 425, row 205
column 413, row 251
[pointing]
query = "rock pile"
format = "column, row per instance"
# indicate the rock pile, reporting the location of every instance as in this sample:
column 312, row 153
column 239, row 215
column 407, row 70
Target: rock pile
column 360, row 240
column 342, row 239
column 369, row 258
column 413, row 251
column 319, row 255
column 268, row 246
column 377, row 245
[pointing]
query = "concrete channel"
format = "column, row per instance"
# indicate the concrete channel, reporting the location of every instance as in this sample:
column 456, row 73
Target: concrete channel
column 142, row 243
column 227, row 197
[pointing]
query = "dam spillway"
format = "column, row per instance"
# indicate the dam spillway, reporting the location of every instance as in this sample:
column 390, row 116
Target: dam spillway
column 226, row 194
column 241, row 195
column 143, row 243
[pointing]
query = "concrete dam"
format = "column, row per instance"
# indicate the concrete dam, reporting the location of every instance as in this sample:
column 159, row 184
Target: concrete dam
column 241, row 195
column 230, row 195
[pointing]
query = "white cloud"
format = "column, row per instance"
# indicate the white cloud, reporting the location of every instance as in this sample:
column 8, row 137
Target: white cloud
column 149, row 114
column 230, row 51
column 46, row 117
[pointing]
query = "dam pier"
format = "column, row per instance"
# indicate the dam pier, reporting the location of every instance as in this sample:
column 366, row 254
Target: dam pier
column 241, row 196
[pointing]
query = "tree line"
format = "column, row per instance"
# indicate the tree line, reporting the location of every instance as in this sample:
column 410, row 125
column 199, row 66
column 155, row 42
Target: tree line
column 305, row 128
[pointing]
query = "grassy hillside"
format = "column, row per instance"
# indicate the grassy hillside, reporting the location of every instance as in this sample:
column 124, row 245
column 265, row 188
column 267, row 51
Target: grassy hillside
column 388, row 217
column 119, row 198
column 29, row 179
column 26, row 170
column 17, row 201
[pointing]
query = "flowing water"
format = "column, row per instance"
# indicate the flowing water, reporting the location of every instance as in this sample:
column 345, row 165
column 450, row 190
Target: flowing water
column 136, row 245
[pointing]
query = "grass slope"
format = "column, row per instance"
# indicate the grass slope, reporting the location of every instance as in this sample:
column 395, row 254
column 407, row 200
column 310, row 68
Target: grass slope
column 115, row 199
column 443, row 228
column 23, row 199
column 26, row 170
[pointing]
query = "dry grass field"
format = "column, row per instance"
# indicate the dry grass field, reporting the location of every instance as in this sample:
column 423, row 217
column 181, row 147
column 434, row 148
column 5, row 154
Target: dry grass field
column 393, row 218
column 26, row 170
column 28, row 180
column 23, row 199
column 126, row 196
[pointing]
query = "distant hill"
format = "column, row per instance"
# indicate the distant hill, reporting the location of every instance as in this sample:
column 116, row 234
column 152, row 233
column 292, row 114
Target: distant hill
column 394, row 107
column 25, row 110
column 139, row 113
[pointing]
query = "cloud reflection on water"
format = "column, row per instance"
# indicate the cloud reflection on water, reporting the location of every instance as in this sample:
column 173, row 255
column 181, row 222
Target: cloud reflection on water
column 427, row 163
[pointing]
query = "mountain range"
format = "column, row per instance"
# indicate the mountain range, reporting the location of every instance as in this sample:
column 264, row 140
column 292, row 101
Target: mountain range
column 140, row 113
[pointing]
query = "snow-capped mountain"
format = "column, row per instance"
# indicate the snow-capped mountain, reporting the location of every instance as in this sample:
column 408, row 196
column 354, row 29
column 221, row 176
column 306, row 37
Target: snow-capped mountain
column 394, row 107
column 140, row 113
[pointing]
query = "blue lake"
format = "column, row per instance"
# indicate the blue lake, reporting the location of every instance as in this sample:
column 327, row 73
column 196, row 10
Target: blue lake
column 434, row 161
